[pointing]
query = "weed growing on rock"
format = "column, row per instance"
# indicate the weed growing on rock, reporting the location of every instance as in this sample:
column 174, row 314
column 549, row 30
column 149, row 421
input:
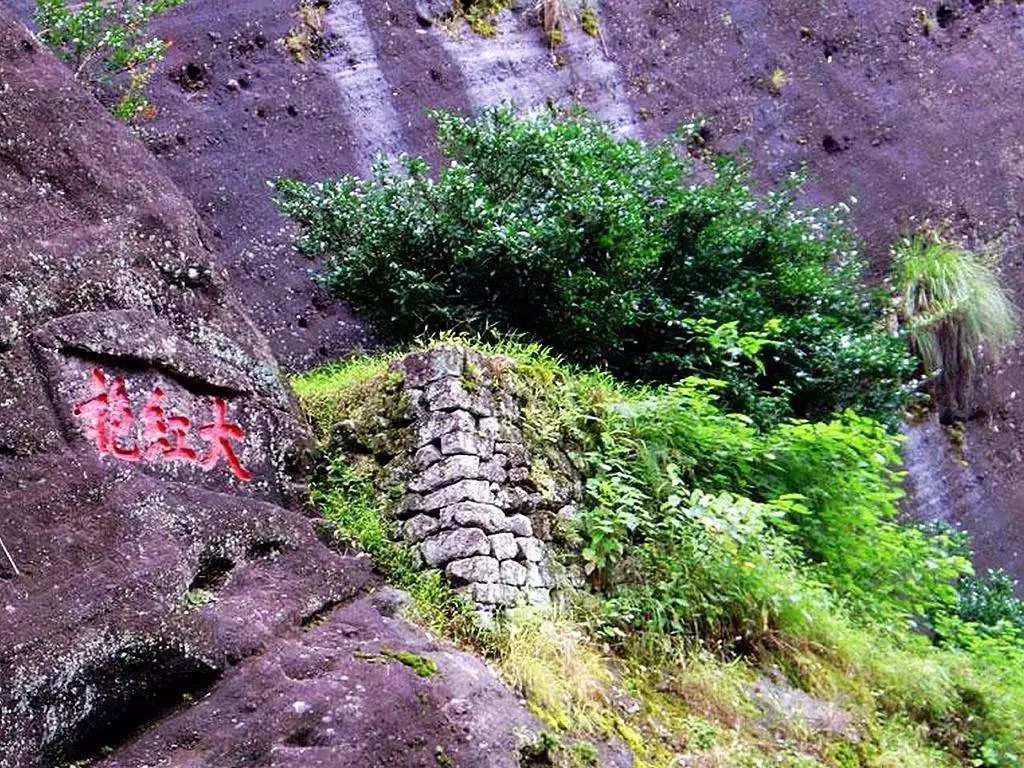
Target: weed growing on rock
column 955, row 308
column 479, row 14
column 589, row 21
column 607, row 251
column 421, row 665
column 306, row 41
column 108, row 45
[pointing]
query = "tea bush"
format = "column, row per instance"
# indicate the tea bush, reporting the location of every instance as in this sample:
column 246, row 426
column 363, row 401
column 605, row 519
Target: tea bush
column 608, row 251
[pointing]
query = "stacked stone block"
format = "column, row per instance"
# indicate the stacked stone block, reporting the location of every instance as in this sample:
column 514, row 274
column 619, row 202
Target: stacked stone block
column 469, row 494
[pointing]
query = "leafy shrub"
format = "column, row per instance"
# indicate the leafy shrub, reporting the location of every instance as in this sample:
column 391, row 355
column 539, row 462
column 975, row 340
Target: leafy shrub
column 601, row 248
column 953, row 306
column 108, row 45
column 671, row 471
column 989, row 600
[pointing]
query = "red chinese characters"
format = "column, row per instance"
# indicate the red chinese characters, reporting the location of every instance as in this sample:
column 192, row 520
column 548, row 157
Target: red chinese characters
column 108, row 420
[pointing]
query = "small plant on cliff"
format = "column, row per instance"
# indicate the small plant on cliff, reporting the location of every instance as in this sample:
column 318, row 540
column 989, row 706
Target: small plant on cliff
column 955, row 310
column 108, row 45
column 479, row 14
column 606, row 250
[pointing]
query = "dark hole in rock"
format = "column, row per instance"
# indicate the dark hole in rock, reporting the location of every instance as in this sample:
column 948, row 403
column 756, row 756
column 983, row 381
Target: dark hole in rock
column 213, row 573
column 122, row 694
column 832, row 145
column 306, row 737
column 292, row 111
column 268, row 548
column 303, row 322
column 190, row 76
column 945, row 15
column 320, row 615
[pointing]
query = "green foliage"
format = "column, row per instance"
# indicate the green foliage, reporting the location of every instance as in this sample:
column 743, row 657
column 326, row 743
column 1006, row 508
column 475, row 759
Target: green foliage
column 989, row 600
column 603, row 249
column 197, row 598
column 953, row 306
column 108, row 45
column 705, row 537
column 589, row 21
column 786, row 544
column 479, row 14
column 826, row 492
column 421, row 665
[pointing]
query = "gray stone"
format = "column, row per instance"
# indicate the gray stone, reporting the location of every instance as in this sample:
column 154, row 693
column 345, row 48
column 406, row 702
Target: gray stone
column 448, row 395
column 518, row 475
column 473, row 570
column 538, row 576
column 419, row 527
column 495, row 594
column 513, row 573
column 513, row 498
column 454, row 545
column 463, row 490
column 490, row 427
column 445, row 472
column 462, row 442
column 410, row 504
column 442, row 423
column 426, row 456
column 481, row 403
column 421, row 368
column 446, row 362
column 493, row 471
column 516, row 453
column 538, row 596
column 503, row 546
column 531, row 549
column 520, row 525
column 471, row 513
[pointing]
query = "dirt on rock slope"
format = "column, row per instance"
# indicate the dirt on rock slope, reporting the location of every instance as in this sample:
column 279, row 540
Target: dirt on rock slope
column 170, row 603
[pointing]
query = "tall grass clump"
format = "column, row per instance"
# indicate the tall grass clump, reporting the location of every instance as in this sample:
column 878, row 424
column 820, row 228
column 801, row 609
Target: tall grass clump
column 955, row 310
column 608, row 251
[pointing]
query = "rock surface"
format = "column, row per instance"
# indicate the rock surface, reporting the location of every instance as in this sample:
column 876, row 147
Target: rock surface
column 154, row 573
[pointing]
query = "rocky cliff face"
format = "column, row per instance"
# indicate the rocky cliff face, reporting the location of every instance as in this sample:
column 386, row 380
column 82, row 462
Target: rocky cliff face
column 914, row 116
column 148, row 501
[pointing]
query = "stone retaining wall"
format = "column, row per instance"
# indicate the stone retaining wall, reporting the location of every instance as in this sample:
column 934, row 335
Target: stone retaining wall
column 471, row 506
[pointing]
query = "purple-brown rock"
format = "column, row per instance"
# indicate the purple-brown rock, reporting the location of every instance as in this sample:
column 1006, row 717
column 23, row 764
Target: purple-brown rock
column 172, row 604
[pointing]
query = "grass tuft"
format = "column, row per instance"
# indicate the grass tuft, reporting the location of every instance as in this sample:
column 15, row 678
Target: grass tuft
column 955, row 310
